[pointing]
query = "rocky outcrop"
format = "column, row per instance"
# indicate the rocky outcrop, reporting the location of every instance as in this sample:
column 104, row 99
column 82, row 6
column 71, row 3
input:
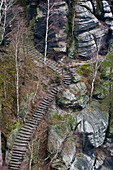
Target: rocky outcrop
column 94, row 122
column 76, row 28
column 57, row 35
column 90, row 31
column 85, row 139
column 74, row 96
column 79, row 151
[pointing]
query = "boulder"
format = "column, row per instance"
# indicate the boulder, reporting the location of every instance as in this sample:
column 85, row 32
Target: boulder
column 73, row 97
column 99, row 93
column 104, row 158
column 94, row 123
column 76, row 77
column 13, row 135
column 68, row 149
column 84, row 161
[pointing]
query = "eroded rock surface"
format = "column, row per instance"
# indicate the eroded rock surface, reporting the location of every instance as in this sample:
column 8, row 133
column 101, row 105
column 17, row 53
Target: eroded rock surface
column 75, row 96
column 94, row 122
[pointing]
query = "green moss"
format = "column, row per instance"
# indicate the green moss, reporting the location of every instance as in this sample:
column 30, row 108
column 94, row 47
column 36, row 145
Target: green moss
column 85, row 66
column 99, row 7
column 32, row 22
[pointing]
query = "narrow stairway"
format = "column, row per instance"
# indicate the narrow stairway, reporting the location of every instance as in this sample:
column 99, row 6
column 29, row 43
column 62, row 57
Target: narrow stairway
column 25, row 134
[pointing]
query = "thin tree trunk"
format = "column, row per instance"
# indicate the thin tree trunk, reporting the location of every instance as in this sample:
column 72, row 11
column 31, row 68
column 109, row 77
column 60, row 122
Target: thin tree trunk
column 93, row 83
column 110, row 104
column 5, row 17
column 1, row 11
column 95, row 70
column 17, row 79
column 47, row 28
column 1, row 160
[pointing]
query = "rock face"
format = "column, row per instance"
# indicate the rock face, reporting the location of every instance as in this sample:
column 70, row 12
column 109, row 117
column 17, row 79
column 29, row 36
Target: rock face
column 57, row 33
column 74, row 96
column 78, row 152
column 76, row 28
column 94, row 123
column 89, row 32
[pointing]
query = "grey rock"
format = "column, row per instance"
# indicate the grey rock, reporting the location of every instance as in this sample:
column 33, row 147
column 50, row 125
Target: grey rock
column 88, row 30
column 57, row 37
column 80, row 87
column 76, row 77
column 74, row 96
column 13, row 136
column 84, row 161
column 68, row 150
column 99, row 93
column 84, row 19
column 105, row 156
column 71, row 51
column 94, row 122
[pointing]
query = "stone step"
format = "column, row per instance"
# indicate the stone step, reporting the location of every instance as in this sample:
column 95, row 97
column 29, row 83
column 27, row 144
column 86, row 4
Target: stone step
column 67, row 77
column 13, row 167
column 38, row 113
column 27, row 130
column 23, row 141
column 46, row 100
column 19, row 148
column 45, row 103
column 39, row 116
column 51, row 96
column 31, row 124
column 31, row 121
column 19, row 144
column 40, row 110
column 18, row 152
column 42, row 106
column 14, row 162
column 16, row 158
column 23, row 135
column 23, row 138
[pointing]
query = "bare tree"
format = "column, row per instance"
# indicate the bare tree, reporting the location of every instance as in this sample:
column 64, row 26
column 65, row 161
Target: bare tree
column 95, row 66
column 52, row 23
column 47, row 28
column 1, row 160
column 5, row 8
column 17, row 41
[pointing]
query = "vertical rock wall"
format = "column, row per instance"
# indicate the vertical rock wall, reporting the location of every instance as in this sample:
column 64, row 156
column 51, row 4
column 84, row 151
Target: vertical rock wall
column 76, row 28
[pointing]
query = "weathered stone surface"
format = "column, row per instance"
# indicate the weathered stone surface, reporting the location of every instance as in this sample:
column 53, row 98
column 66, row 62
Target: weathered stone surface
column 81, row 154
column 68, row 148
column 76, row 77
column 94, row 122
column 57, row 35
column 104, row 159
column 13, row 136
column 74, row 96
column 84, row 19
column 99, row 93
column 88, row 30
column 84, row 161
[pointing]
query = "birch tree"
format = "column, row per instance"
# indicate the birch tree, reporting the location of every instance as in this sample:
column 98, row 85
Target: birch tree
column 5, row 7
column 1, row 160
column 17, row 41
column 96, row 66
column 47, row 28
column 51, row 16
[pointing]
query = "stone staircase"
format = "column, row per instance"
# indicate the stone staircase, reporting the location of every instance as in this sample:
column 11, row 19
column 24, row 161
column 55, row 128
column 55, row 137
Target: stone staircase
column 25, row 134
column 66, row 78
